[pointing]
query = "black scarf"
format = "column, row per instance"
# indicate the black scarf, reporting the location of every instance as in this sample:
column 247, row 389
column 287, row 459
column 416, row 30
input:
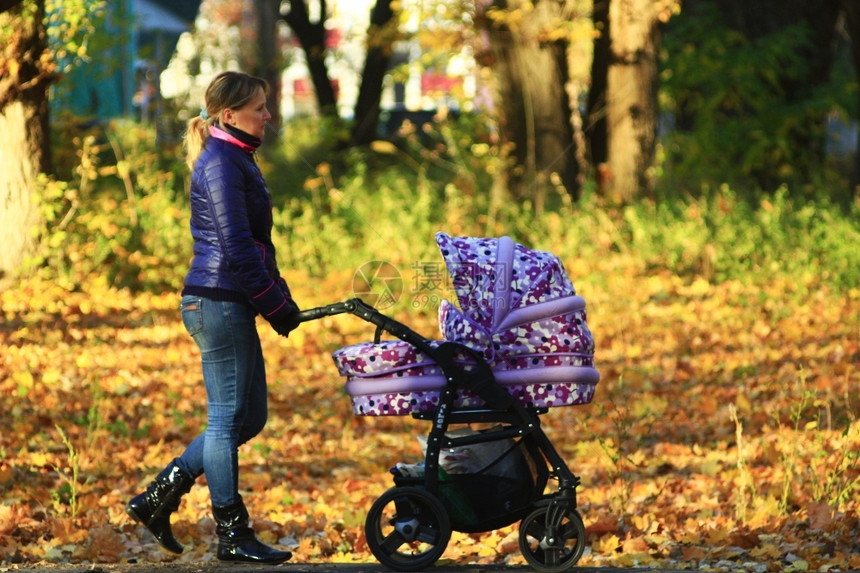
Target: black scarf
column 243, row 136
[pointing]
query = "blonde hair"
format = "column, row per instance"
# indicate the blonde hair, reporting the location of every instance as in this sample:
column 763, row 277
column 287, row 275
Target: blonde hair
column 229, row 90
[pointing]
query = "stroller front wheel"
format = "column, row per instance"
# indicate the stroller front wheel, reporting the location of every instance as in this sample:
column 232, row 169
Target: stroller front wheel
column 407, row 529
column 552, row 538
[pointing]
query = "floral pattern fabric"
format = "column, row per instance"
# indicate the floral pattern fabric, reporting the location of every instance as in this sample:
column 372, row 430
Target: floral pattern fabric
column 518, row 309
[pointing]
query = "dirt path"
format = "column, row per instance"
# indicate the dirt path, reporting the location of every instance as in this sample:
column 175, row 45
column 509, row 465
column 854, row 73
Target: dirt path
column 218, row 567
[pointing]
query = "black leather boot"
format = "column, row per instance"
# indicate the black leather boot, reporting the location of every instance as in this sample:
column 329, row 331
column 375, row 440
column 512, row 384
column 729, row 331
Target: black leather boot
column 153, row 507
column 236, row 540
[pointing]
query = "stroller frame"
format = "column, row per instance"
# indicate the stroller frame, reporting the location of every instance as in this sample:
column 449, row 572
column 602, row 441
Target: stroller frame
column 552, row 534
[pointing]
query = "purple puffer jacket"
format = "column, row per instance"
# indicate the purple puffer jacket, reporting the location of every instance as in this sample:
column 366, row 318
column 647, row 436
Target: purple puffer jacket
column 231, row 223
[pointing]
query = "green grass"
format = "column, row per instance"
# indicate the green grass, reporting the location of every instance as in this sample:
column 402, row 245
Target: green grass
column 124, row 216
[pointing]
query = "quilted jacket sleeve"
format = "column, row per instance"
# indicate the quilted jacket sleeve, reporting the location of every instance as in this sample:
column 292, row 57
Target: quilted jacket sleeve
column 224, row 185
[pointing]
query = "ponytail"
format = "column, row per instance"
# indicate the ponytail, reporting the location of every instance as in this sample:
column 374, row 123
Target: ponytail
column 195, row 136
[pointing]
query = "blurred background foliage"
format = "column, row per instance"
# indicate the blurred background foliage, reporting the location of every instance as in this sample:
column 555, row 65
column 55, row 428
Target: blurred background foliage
column 747, row 184
column 125, row 216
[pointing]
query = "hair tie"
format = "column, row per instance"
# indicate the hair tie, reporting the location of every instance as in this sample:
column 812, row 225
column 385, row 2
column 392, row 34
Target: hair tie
column 204, row 114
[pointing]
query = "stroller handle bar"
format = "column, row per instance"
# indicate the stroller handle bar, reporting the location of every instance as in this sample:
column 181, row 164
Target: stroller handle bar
column 369, row 314
column 328, row 310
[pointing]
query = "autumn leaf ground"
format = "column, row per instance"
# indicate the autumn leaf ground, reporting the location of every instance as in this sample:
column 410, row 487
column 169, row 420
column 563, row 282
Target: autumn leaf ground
column 724, row 434
column 292, row 567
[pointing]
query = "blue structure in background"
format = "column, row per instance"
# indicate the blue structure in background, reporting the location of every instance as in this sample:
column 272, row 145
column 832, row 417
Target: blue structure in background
column 122, row 79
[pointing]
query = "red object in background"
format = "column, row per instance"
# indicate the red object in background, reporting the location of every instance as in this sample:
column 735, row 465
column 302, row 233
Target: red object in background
column 438, row 82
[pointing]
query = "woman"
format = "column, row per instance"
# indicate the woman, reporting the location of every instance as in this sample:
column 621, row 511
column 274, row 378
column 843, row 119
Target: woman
column 233, row 277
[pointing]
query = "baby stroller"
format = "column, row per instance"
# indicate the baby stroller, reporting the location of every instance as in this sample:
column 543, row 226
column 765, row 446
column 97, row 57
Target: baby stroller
column 517, row 346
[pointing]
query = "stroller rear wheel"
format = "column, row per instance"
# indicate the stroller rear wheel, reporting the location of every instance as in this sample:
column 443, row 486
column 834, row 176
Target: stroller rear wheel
column 552, row 538
column 407, row 529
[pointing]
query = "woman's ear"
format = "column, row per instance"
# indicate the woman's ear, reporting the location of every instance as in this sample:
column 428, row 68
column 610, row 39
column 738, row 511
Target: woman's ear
column 227, row 116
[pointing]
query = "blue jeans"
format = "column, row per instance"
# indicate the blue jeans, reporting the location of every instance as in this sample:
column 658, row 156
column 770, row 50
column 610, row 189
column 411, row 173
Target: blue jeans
column 235, row 380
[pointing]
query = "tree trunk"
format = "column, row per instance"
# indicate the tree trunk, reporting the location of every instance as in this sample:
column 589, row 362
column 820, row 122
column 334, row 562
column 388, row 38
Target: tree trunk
column 595, row 129
column 269, row 62
column 852, row 22
column 24, row 150
column 380, row 40
column 312, row 37
column 632, row 97
column 534, row 107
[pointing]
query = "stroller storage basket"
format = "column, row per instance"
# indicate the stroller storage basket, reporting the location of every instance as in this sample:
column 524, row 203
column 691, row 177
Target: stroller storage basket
column 499, row 494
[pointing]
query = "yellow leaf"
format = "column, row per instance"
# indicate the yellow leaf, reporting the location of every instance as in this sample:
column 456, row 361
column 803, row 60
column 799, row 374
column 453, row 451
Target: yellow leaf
column 767, row 551
column 380, row 146
column 716, row 536
column 50, row 376
column 742, row 403
column 39, row 459
column 635, row 545
column 25, row 382
column 765, row 509
column 710, row 468
column 84, row 360
column 606, row 545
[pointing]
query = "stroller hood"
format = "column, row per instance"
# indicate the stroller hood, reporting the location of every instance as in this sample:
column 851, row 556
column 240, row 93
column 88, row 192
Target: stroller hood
column 512, row 300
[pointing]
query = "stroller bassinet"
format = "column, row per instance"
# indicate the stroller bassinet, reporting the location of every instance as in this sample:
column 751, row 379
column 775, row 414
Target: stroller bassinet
column 517, row 345
column 520, row 312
